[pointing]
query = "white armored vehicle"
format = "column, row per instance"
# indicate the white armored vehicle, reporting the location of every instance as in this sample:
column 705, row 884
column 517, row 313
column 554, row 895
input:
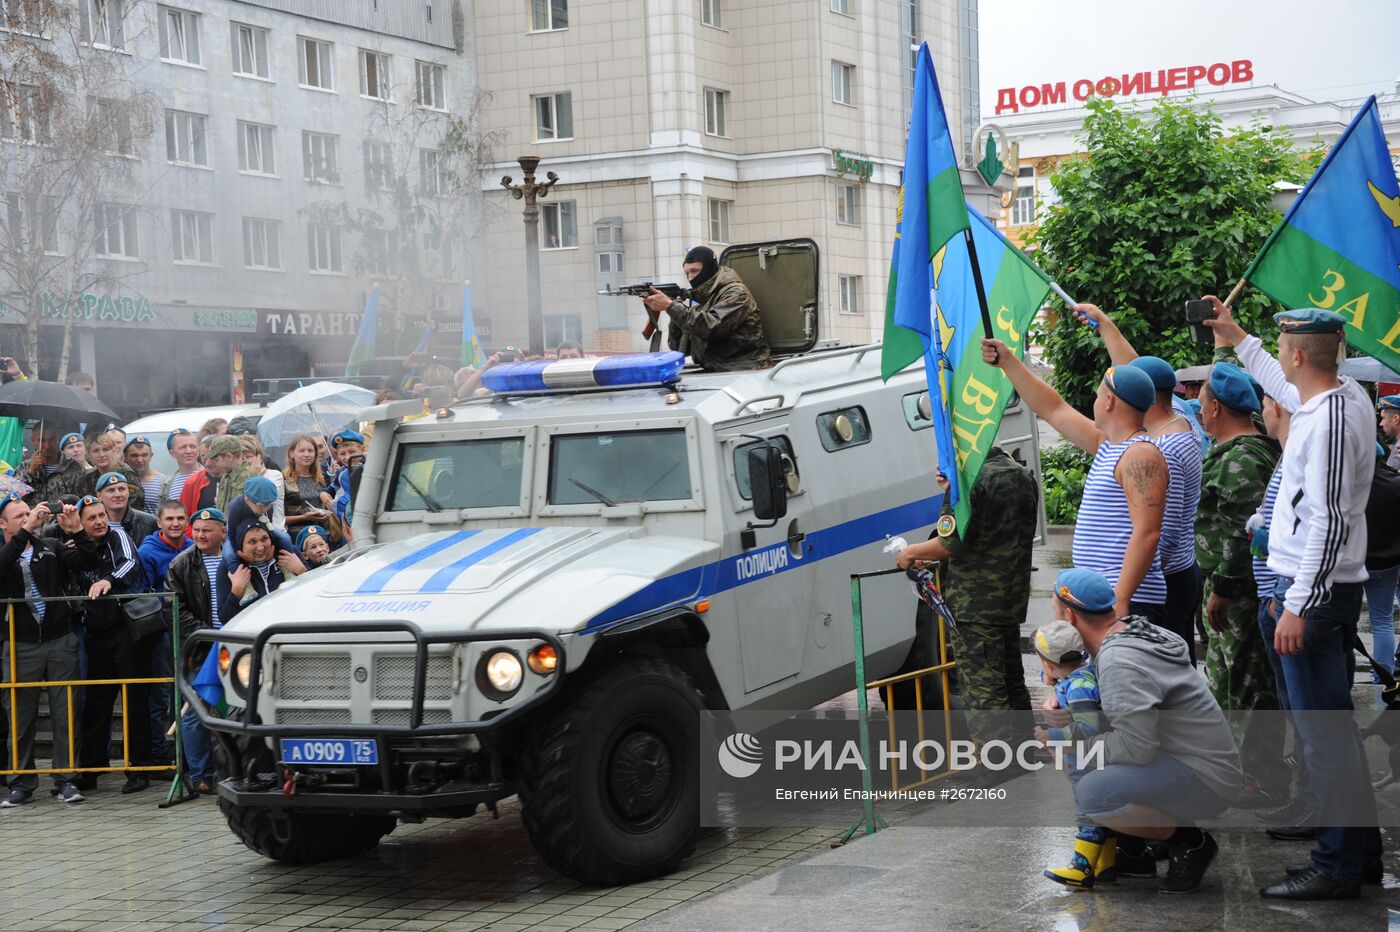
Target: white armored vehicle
column 549, row 584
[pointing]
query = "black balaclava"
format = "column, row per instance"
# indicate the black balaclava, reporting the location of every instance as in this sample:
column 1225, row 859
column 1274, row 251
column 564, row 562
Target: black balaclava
column 709, row 265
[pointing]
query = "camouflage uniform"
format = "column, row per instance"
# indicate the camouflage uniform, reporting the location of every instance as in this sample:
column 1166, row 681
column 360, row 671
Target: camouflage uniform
column 722, row 331
column 988, row 585
column 231, row 486
column 72, row 478
column 1233, row 482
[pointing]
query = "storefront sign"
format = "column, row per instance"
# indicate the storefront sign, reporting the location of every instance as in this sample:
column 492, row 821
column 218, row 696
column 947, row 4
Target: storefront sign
column 1161, row 81
column 226, row 318
column 311, row 323
column 847, row 164
column 119, row 309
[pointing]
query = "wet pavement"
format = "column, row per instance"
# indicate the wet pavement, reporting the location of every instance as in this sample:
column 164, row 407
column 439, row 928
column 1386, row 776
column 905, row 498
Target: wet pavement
column 118, row 862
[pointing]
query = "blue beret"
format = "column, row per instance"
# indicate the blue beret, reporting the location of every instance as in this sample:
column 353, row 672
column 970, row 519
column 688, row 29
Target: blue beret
column 109, row 478
column 1132, row 385
column 1233, row 388
column 70, row 438
column 1084, row 590
column 209, row 514
column 1388, row 403
column 139, row 438
column 177, row 432
column 1160, row 371
column 311, row 530
column 260, row 490
column 1195, row 405
column 1310, row 320
column 347, row 436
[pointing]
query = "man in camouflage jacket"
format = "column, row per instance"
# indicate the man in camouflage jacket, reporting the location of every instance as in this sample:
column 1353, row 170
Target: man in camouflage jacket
column 722, row 330
column 50, row 474
column 1233, row 481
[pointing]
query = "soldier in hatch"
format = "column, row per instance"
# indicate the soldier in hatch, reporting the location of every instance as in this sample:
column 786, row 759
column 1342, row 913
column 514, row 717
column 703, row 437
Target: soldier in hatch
column 721, row 330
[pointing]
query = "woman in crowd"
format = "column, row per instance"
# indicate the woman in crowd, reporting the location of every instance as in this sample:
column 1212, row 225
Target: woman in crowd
column 254, row 456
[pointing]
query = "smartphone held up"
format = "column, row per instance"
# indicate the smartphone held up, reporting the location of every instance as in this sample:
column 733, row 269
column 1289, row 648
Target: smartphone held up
column 1196, row 313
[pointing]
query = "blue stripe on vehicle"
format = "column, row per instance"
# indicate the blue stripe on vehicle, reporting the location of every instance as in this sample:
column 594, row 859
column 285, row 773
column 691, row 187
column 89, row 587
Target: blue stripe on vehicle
column 444, row 577
column 722, row 575
column 376, row 581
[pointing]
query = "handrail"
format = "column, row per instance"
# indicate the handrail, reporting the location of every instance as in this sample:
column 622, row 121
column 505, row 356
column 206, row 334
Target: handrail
column 780, row 397
column 819, row 355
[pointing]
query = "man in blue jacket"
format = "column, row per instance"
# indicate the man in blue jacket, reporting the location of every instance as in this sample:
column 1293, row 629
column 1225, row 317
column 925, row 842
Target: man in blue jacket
column 154, row 555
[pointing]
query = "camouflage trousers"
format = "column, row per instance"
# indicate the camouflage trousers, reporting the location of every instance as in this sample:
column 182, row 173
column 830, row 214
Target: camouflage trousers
column 1242, row 681
column 991, row 676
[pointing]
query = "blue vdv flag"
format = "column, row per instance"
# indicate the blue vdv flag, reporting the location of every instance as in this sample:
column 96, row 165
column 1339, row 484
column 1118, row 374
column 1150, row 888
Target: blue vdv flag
column 206, row 682
column 406, row 383
column 365, row 337
column 472, row 353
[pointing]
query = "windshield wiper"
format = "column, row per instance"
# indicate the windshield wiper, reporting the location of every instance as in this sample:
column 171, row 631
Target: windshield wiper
column 428, row 501
column 595, row 493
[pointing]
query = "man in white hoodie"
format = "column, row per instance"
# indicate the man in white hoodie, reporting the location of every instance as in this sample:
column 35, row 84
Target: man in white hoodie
column 1317, row 546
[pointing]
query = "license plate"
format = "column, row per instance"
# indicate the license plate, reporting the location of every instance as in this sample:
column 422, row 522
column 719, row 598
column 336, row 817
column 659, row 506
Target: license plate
column 353, row 752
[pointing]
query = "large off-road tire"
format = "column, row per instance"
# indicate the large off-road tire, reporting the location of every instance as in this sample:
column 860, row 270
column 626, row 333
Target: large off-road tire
column 299, row 837
column 609, row 774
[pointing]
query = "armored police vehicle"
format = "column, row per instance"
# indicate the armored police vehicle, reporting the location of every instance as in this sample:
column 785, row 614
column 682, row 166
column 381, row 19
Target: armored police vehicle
column 549, row 584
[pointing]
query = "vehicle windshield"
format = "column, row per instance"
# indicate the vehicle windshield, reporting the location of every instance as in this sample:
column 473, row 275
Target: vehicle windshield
column 458, row 474
column 636, row 466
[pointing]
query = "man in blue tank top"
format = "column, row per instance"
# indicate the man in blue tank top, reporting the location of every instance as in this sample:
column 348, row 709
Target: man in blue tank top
column 1125, row 494
column 1173, row 427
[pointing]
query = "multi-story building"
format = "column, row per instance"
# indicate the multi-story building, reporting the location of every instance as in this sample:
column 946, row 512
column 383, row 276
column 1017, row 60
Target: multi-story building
column 295, row 162
column 677, row 123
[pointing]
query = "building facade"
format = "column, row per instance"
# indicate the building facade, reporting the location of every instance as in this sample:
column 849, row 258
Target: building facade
column 291, row 139
column 678, row 123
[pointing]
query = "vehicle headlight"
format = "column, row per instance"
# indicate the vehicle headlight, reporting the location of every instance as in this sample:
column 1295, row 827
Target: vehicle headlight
column 240, row 671
column 500, row 673
column 544, row 659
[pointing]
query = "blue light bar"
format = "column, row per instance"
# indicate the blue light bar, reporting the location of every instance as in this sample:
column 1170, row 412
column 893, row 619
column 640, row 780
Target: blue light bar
column 603, row 372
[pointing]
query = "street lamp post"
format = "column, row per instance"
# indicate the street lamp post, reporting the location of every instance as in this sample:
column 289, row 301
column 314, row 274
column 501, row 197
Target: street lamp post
column 529, row 190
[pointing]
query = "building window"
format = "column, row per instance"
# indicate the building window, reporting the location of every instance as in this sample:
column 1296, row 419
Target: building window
column 710, row 13
column 32, row 223
column 100, row 22
column 432, row 86
column 250, row 51
column 841, row 6
column 375, row 70
column 561, row 327
column 22, row 16
column 192, row 237
column 381, row 252
column 317, row 63
column 846, row 205
column 1023, row 209
column 719, row 220
column 179, row 36
column 323, row 248
column 716, row 112
column 554, row 116
column 261, row 246
column 320, row 157
column 849, row 288
column 116, row 231
column 843, row 79
column 185, row 138
column 256, row 149
column 379, row 165
column 549, row 14
column 29, row 121
column 432, row 172
column 114, row 125
column 560, row 225
column 910, row 21
column 610, row 262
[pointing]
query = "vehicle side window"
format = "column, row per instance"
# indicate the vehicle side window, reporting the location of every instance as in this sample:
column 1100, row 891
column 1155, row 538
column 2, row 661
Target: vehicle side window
column 627, row 466
column 460, row 474
column 914, row 405
column 741, row 463
column 847, row 427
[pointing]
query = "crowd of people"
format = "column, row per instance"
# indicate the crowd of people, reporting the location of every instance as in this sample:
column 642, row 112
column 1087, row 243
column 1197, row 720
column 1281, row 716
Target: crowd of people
column 226, row 527
column 1258, row 513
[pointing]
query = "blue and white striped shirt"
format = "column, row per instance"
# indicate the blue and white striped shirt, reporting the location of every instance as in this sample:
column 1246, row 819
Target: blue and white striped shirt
column 211, row 569
column 1182, row 452
column 1265, row 578
column 151, row 488
column 1105, row 526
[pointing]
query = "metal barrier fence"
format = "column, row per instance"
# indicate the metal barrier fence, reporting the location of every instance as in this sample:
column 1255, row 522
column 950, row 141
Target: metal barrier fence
column 870, row 819
column 180, row 787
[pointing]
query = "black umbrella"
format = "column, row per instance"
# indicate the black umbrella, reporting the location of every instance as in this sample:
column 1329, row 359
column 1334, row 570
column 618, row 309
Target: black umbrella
column 51, row 401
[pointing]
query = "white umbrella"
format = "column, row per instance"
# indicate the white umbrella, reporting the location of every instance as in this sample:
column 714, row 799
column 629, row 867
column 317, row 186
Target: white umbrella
column 319, row 408
column 1366, row 369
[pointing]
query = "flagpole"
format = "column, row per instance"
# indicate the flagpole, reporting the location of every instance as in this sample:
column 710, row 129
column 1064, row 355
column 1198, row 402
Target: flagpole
column 977, row 281
column 1239, row 287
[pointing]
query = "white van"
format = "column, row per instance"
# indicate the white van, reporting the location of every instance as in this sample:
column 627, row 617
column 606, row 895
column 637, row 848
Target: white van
column 157, row 427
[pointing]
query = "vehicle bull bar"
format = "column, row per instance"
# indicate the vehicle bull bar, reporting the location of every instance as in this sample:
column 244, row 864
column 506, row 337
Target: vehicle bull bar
column 422, row 641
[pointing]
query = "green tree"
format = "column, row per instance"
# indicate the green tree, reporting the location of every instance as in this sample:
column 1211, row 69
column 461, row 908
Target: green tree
column 1163, row 208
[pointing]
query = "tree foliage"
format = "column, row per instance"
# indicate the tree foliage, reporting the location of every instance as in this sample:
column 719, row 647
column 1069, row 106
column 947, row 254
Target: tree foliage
column 1163, row 208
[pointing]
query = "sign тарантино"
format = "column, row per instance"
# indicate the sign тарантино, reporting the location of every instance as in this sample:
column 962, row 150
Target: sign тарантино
column 311, row 323
column 1161, row 81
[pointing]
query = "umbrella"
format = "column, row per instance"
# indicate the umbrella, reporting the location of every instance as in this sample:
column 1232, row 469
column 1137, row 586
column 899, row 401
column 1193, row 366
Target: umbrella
column 51, row 401
column 9, row 484
column 1366, row 369
column 320, row 408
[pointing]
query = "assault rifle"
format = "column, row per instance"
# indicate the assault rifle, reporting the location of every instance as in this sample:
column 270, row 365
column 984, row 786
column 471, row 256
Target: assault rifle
column 669, row 289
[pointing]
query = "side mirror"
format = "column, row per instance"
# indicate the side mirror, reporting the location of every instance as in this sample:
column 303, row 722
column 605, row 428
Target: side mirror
column 768, row 481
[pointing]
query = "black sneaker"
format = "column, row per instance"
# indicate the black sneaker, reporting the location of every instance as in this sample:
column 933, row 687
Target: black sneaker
column 1135, row 863
column 1292, row 833
column 135, row 784
column 1312, row 884
column 1186, row 866
column 15, row 797
column 1290, row 813
column 69, row 794
column 1373, row 873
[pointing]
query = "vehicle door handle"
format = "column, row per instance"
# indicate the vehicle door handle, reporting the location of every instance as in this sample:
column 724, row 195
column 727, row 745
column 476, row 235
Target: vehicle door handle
column 795, row 537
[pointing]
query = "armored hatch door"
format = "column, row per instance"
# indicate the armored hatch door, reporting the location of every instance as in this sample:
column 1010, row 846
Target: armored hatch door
column 783, row 276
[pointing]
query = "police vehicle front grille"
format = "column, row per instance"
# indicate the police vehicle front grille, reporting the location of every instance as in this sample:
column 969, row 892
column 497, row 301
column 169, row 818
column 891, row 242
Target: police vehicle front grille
column 313, row 716
column 393, row 677
column 314, row 676
column 400, row 716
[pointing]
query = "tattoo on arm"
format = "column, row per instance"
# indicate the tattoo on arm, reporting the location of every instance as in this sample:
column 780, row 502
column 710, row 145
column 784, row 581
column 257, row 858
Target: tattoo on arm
column 1142, row 476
